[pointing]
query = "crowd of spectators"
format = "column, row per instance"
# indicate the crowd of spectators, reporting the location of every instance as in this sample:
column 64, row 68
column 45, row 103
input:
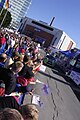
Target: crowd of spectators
column 19, row 62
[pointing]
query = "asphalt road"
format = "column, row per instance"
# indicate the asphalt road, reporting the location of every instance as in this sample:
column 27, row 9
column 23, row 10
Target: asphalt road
column 62, row 99
column 61, row 102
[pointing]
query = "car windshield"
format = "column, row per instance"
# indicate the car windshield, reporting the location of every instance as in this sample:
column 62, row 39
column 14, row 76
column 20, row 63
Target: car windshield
column 78, row 65
column 50, row 57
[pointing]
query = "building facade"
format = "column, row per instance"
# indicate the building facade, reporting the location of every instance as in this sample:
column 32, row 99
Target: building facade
column 18, row 8
column 46, row 34
column 2, row 3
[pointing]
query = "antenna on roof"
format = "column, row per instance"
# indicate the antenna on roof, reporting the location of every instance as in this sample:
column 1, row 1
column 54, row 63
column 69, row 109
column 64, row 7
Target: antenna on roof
column 52, row 21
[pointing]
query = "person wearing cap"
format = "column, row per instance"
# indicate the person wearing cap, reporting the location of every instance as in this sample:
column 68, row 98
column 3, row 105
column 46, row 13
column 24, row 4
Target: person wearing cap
column 22, row 53
column 15, row 56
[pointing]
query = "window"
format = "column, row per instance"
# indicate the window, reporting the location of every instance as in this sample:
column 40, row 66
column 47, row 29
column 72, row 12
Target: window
column 72, row 62
column 54, row 41
column 78, row 65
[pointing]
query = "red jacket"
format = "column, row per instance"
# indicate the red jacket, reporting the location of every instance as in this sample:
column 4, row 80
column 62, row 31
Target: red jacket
column 2, row 40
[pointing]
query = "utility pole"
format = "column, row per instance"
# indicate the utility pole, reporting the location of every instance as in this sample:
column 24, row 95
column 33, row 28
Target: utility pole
column 1, row 11
column 52, row 21
column 3, row 19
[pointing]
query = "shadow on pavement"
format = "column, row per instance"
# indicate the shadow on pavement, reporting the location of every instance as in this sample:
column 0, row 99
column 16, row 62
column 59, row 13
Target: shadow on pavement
column 54, row 78
column 73, row 86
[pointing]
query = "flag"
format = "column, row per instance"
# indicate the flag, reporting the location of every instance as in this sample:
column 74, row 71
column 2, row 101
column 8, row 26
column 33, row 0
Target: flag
column 7, row 4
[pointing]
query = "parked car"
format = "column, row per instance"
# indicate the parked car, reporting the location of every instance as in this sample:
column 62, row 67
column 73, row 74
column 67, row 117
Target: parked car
column 64, row 59
column 73, row 70
column 49, row 60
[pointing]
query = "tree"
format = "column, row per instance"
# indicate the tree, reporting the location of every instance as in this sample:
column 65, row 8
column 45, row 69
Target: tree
column 7, row 19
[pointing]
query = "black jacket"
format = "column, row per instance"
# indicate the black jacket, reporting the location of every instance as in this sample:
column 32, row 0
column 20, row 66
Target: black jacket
column 7, row 76
column 8, row 102
column 26, row 72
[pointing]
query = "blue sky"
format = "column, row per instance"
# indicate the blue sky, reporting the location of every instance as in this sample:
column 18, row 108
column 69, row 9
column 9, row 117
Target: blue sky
column 66, row 12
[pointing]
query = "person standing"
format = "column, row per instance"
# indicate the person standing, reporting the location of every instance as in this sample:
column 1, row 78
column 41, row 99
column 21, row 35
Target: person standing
column 2, row 40
column 8, row 76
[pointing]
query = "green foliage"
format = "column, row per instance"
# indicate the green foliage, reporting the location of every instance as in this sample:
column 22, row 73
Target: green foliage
column 7, row 19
